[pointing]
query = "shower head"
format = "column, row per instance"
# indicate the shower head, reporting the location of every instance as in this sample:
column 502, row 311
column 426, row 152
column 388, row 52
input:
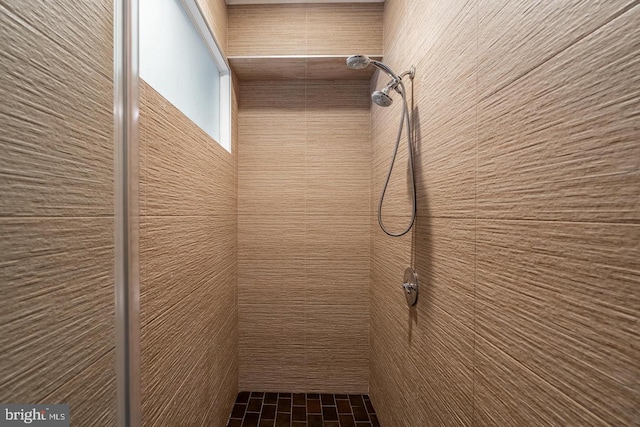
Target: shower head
column 382, row 98
column 358, row 62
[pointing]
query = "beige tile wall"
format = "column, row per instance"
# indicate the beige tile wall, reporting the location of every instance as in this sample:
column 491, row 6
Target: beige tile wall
column 303, row 236
column 326, row 67
column 189, row 258
column 56, row 211
column 305, row 29
column 304, row 191
column 527, row 238
column 215, row 13
column 188, row 273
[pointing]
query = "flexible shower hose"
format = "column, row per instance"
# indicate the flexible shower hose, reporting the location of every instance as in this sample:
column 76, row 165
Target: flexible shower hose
column 405, row 116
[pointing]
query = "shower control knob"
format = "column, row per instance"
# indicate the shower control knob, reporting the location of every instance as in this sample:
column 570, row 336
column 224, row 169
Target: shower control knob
column 410, row 286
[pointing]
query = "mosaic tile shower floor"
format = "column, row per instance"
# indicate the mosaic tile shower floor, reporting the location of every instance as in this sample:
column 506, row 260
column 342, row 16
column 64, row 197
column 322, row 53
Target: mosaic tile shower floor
column 258, row 409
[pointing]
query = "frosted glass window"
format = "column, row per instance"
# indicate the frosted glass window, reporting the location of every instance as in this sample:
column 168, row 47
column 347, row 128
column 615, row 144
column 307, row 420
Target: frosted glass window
column 176, row 59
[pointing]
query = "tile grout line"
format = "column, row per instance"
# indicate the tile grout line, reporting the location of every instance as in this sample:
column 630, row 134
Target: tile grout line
column 561, row 50
column 306, row 225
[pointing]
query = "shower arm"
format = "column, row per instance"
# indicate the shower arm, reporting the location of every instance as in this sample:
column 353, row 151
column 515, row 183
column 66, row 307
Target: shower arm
column 396, row 79
column 386, row 69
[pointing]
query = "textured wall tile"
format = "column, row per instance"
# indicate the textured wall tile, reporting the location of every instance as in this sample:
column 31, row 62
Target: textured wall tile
column 562, row 142
column 442, row 352
column 57, row 288
column 391, row 317
column 224, row 400
column 446, row 187
column 390, row 257
column 388, row 378
column 337, row 326
column 269, row 180
column 269, row 68
column 222, row 350
column 337, row 238
column 271, row 99
column 506, row 393
column 332, row 281
column 302, row 29
column 446, row 78
column 344, row 29
column 262, row 281
column 348, row 101
column 188, row 255
column 202, row 388
column 56, row 168
column 173, row 343
column 428, row 21
column 553, row 310
column 335, row 68
column 444, row 253
column 516, row 36
column 392, row 330
column 337, row 182
column 220, row 366
column 392, row 252
column 215, row 12
column 303, row 149
column 178, row 159
column 421, row 357
column 184, row 407
column 314, row 68
column 271, row 326
column 178, row 255
column 273, row 369
column 394, row 31
column 435, row 374
column 344, row 369
column 263, row 237
column 444, row 168
column 436, row 336
column 285, row 25
column 56, row 155
column 94, row 384
column 562, row 300
column 444, row 115
column 337, row 163
column 271, row 155
column 272, row 187
column 398, row 196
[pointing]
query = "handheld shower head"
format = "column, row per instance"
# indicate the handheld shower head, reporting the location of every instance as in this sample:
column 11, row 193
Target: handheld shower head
column 382, row 98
